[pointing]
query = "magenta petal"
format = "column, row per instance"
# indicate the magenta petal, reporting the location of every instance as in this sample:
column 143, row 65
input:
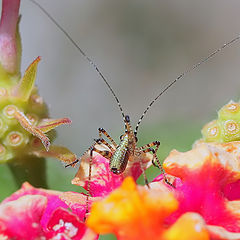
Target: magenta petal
column 53, row 200
column 65, row 225
column 231, row 191
column 20, row 219
column 76, row 202
column 102, row 180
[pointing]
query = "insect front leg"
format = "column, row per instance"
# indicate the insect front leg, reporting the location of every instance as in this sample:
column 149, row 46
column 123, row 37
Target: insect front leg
column 102, row 141
column 103, row 131
column 148, row 148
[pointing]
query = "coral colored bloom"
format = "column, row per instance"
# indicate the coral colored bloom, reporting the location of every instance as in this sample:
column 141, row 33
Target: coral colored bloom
column 32, row 213
column 133, row 212
column 208, row 183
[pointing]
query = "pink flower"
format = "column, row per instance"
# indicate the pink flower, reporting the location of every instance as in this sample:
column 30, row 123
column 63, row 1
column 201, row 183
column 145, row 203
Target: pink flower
column 32, row 213
column 207, row 182
column 206, row 192
column 103, row 181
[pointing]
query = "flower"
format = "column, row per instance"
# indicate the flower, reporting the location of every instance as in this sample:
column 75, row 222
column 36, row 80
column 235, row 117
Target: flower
column 204, row 198
column 32, row 213
column 208, row 183
column 134, row 212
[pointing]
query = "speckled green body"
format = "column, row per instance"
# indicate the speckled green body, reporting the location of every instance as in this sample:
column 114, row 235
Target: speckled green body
column 227, row 127
column 120, row 157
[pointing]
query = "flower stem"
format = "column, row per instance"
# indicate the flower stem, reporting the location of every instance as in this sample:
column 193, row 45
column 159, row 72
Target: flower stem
column 32, row 170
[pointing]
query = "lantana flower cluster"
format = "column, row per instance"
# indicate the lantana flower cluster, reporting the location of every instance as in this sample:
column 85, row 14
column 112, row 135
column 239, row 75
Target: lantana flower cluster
column 203, row 202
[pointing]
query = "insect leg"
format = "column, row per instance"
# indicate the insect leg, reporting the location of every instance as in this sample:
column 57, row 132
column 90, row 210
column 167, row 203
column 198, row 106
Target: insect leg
column 103, row 131
column 145, row 149
column 106, row 154
column 102, row 141
column 144, row 174
column 148, row 148
column 89, row 180
column 78, row 159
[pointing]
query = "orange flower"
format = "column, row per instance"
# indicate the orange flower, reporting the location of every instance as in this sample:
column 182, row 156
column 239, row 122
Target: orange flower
column 135, row 212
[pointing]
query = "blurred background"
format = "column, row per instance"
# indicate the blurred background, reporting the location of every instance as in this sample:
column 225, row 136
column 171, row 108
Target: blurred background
column 140, row 46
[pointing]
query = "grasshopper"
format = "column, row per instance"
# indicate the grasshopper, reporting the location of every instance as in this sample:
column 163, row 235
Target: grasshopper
column 127, row 150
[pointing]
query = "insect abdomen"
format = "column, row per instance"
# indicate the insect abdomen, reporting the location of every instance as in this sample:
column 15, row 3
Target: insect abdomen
column 119, row 159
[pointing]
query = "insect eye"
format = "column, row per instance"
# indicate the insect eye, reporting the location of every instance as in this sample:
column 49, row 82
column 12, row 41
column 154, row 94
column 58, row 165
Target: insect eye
column 127, row 118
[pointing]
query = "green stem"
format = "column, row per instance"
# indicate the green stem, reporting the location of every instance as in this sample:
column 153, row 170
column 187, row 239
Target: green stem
column 32, row 170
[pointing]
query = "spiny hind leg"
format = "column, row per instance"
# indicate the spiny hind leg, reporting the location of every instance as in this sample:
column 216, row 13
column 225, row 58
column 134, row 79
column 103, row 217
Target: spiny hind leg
column 104, row 132
column 155, row 161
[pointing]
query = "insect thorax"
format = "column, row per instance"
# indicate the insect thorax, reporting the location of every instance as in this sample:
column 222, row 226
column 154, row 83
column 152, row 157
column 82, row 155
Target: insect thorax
column 120, row 157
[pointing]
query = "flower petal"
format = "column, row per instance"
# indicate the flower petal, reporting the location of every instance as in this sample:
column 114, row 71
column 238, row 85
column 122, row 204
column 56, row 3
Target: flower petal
column 66, row 225
column 59, row 152
column 206, row 172
column 47, row 125
column 27, row 125
column 196, row 228
column 20, row 218
column 132, row 212
column 25, row 86
column 103, row 181
column 220, row 233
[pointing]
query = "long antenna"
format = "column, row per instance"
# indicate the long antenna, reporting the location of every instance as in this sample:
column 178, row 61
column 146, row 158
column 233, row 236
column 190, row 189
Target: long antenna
column 105, row 80
column 183, row 75
column 81, row 51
